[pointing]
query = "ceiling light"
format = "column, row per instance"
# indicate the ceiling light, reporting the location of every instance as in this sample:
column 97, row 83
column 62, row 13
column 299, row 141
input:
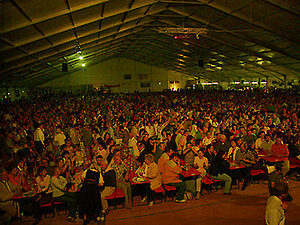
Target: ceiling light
column 219, row 68
column 80, row 57
column 246, row 82
column 83, row 64
column 236, row 82
column 215, row 83
column 254, row 82
column 79, row 52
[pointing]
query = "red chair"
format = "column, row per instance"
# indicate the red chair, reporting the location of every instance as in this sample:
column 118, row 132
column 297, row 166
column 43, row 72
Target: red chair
column 209, row 182
column 160, row 192
column 170, row 190
column 254, row 173
column 48, row 207
column 60, row 206
column 116, row 197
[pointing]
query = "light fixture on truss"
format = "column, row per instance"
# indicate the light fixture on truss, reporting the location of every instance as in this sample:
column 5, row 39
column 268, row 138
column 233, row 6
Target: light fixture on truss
column 184, row 31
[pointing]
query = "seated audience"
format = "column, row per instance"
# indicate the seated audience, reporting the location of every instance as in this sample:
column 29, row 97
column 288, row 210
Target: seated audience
column 7, row 191
column 154, row 176
column 60, row 194
column 170, row 175
column 201, row 164
column 218, row 170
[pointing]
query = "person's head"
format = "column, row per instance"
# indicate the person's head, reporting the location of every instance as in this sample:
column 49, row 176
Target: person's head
column 175, row 157
column 103, row 164
column 249, row 132
column 149, row 158
column 243, row 146
column 278, row 140
column 117, row 159
column 60, row 162
column 200, row 153
column 161, row 146
column 268, row 137
column 208, row 134
column 42, row 171
column 99, row 159
column 281, row 189
column 222, row 138
column 261, row 135
column 3, row 174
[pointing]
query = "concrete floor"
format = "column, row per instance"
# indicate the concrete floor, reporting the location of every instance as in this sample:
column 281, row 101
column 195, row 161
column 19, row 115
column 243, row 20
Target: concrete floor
column 241, row 208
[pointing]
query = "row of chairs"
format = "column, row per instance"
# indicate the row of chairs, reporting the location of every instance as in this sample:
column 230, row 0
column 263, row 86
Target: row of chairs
column 163, row 192
column 53, row 208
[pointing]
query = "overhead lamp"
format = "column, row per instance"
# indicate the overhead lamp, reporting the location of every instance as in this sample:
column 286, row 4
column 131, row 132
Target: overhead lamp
column 263, row 82
column 236, row 82
column 246, row 82
column 83, row 64
column 215, row 83
column 79, row 52
column 80, row 57
column 254, row 82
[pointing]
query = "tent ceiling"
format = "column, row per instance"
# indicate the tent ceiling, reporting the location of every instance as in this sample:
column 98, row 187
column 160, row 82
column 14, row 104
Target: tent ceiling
column 246, row 38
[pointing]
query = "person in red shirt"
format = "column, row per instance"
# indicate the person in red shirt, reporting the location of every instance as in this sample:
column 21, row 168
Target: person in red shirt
column 280, row 150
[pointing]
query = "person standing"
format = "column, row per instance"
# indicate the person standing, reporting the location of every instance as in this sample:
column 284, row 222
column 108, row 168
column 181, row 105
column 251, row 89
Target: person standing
column 279, row 149
column 109, row 178
column 275, row 210
column 39, row 138
column 89, row 195
column 201, row 164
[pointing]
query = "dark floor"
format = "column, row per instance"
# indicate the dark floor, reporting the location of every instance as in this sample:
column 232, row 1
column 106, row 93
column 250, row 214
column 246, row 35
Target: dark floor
column 241, row 208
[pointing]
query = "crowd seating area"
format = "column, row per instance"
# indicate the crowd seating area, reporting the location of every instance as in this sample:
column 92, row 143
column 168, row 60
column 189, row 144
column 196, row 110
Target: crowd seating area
column 198, row 141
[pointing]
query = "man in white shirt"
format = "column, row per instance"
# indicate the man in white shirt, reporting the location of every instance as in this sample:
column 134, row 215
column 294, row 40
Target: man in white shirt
column 275, row 210
column 132, row 142
column 58, row 184
column 201, row 164
column 59, row 137
column 38, row 138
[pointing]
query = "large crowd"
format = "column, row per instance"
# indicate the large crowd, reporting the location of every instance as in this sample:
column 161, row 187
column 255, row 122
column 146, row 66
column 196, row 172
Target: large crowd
column 79, row 149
